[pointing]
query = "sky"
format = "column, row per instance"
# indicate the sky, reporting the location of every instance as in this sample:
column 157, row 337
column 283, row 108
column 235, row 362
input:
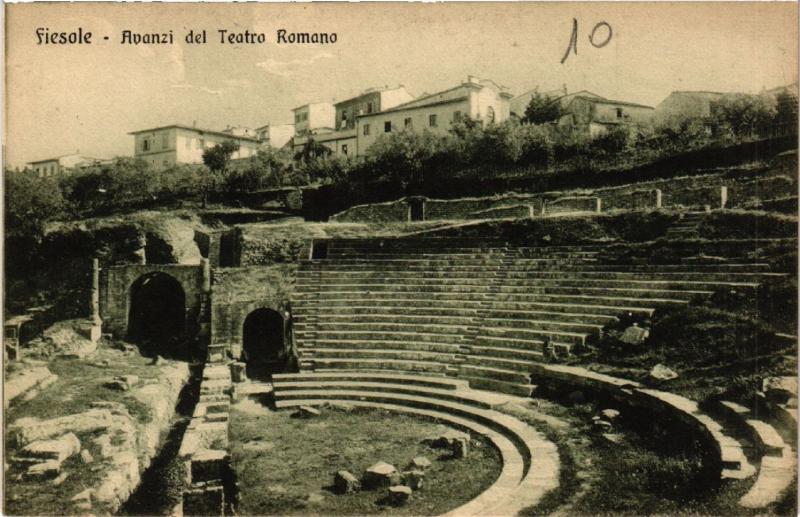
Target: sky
column 66, row 98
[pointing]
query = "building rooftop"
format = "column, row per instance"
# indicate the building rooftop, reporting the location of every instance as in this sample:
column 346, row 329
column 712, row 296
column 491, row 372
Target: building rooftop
column 197, row 130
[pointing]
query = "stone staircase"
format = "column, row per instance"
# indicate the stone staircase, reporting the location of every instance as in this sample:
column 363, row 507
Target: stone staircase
column 482, row 313
column 686, row 226
column 775, row 456
column 530, row 462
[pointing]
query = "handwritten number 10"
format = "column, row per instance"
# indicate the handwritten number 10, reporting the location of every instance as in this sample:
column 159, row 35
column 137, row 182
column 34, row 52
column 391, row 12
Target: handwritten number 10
column 597, row 39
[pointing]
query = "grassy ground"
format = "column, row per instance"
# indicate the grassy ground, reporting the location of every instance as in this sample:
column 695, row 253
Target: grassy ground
column 649, row 472
column 79, row 383
column 286, row 466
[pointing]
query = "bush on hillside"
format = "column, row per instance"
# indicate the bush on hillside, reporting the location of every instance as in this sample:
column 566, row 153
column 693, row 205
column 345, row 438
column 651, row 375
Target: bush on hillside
column 747, row 224
column 697, row 336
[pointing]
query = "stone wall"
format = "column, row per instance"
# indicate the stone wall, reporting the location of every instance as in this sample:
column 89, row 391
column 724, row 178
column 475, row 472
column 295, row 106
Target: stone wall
column 239, row 291
column 635, row 200
column 389, row 212
column 115, row 295
column 466, row 208
column 572, row 204
column 505, row 212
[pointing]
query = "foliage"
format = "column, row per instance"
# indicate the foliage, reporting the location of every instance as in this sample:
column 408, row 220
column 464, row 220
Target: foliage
column 30, row 203
column 747, row 115
column 541, row 109
column 311, row 151
column 702, row 336
column 268, row 168
column 216, row 158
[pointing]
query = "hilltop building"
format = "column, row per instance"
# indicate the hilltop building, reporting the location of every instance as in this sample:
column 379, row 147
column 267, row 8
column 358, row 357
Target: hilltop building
column 591, row 115
column 685, row 104
column 61, row 164
column 480, row 100
column 275, row 135
column 342, row 139
column 166, row 146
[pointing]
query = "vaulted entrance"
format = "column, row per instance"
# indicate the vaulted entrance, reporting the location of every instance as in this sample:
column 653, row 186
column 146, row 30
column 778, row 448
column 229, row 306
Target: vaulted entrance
column 157, row 315
column 263, row 342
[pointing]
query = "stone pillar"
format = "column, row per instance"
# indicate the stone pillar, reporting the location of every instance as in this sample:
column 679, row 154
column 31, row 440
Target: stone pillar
column 140, row 253
column 658, row 197
column 96, row 292
column 204, row 263
column 598, row 205
column 723, row 196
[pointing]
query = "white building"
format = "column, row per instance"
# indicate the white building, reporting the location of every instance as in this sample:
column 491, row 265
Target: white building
column 61, row 164
column 480, row 100
column 166, row 146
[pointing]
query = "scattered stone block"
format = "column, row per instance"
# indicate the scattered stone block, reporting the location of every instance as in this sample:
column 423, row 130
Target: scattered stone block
column 45, row 470
column 420, row 463
column 60, row 479
column 612, row 438
column 399, row 495
column 599, row 423
column 345, row 483
column 117, row 385
column 634, row 335
column 661, row 373
column 413, row 479
column 86, row 495
column 380, row 475
column 86, row 456
column 609, row 414
column 58, row 449
column 306, row 412
column 459, row 447
column 315, row 497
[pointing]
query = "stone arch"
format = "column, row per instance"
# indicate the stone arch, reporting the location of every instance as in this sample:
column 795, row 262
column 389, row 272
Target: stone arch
column 264, row 341
column 157, row 314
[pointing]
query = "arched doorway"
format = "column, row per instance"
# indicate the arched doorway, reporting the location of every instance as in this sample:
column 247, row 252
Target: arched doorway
column 157, row 316
column 263, row 342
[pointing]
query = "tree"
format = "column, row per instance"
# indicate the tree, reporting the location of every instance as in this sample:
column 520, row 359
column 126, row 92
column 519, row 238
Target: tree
column 746, row 114
column 541, row 109
column 312, row 150
column 30, row 203
column 216, row 160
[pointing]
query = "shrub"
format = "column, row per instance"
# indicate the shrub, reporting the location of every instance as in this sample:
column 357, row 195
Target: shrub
column 30, row 203
column 697, row 336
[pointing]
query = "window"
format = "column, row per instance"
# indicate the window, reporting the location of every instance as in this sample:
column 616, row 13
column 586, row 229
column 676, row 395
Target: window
column 145, row 145
column 366, row 129
column 305, row 117
column 407, row 123
column 297, row 117
column 344, row 149
column 619, row 112
column 369, row 107
column 164, row 141
column 432, row 120
column 344, row 116
column 490, row 115
column 387, row 126
column 457, row 116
